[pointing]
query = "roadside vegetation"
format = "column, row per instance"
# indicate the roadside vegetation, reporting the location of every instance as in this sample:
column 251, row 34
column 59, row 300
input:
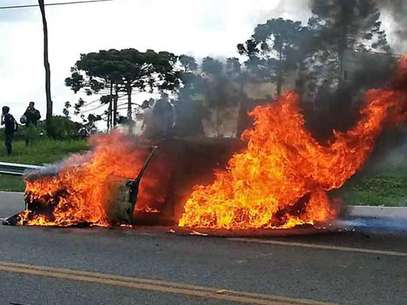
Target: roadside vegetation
column 43, row 151
column 384, row 187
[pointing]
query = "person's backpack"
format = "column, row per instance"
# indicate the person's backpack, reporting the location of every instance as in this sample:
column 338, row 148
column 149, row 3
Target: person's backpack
column 23, row 119
column 37, row 115
column 15, row 124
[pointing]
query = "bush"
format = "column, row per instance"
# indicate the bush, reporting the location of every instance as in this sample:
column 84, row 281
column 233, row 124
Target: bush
column 63, row 128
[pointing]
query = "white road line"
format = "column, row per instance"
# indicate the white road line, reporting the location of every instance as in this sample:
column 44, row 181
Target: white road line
column 320, row 247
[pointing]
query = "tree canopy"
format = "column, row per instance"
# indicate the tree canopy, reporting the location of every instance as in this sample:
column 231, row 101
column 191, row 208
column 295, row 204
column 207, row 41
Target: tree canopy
column 311, row 56
column 275, row 47
column 109, row 72
column 341, row 26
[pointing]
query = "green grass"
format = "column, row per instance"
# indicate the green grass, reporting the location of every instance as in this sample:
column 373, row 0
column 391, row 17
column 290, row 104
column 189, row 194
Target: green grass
column 43, row 151
column 382, row 187
column 11, row 183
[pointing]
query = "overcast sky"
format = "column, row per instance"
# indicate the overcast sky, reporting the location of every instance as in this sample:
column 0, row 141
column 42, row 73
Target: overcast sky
column 194, row 27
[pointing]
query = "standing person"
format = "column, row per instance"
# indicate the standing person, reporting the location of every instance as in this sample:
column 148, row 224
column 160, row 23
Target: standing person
column 147, row 123
column 32, row 116
column 159, row 118
column 163, row 115
column 10, row 126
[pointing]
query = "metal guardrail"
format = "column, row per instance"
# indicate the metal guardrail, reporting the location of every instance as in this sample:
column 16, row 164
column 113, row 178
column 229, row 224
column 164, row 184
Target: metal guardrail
column 16, row 169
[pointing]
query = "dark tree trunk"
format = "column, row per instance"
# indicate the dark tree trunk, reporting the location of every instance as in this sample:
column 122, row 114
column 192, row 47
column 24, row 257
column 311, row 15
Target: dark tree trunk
column 47, row 67
column 129, row 90
column 115, row 100
column 129, row 109
column 109, row 111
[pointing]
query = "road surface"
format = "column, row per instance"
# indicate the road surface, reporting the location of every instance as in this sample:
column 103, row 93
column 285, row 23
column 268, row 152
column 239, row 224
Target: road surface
column 44, row 266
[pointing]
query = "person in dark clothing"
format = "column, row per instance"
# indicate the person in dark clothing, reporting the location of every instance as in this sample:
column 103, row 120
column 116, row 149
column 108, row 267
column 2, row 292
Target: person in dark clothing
column 159, row 120
column 31, row 118
column 32, row 115
column 10, row 126
column 163, row 114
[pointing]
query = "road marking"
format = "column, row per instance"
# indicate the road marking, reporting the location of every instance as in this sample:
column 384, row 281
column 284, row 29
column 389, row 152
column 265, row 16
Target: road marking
column 321, row 247
column 155, row 285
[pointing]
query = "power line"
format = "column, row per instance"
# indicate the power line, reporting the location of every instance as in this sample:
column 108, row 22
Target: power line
column 97, row 107
column 93, row 109
column 86, row 104
column 120, row 97
column 52, row 4
column 122, row 106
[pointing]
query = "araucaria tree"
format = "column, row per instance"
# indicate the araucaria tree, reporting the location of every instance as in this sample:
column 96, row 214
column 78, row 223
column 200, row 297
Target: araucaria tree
column 113, row 71
column 340, row 26
column 274, row 49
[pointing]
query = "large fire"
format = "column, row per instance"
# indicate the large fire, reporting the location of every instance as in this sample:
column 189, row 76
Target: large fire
column 82, row 189
column 282, row 178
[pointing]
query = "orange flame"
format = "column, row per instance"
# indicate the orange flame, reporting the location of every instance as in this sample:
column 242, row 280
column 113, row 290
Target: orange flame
column 282, row 178
column 80, row 191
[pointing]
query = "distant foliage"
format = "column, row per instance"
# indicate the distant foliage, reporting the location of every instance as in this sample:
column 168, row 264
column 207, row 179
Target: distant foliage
column 276, row 47
column 64, row 129
column 340, row 27
column 111, row 73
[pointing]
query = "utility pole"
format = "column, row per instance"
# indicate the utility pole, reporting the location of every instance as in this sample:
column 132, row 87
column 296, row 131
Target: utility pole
column 46, row 67
column 110, row 113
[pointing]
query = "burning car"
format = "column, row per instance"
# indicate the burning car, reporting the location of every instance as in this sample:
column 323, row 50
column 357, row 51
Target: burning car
column 279, row 178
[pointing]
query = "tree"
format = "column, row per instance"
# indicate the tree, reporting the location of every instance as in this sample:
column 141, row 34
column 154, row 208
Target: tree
column 46, row 66
column 134, row 71
column 212, row 66
column 65, row 111
column 215, row 88
column 344, row 32
column 234, row 73
column 274, row 49
column 96, row 73
column 188, row 63
column 233, row 67
column 189, row 77
column 166, row 76
column 189, row 104
column 113, row 71
column 347, row 25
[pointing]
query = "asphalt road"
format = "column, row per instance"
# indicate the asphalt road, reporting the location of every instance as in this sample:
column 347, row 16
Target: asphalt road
column 42, row 266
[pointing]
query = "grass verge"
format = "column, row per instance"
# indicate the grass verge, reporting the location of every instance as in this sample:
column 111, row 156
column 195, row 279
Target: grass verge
column 11, row 183
column 43, row 151
column 382, row 187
